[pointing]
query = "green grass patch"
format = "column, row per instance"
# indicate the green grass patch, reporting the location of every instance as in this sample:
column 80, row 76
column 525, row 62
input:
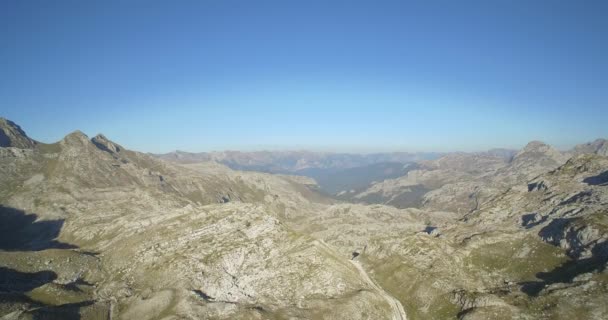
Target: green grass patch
column 515, row 260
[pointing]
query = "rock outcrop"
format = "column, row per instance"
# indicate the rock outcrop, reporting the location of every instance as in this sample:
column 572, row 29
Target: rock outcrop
column 11, row 135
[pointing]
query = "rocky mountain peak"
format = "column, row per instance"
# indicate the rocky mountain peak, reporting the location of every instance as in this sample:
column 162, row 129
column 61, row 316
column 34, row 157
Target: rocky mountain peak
column 106, row 144
column 76, row 138
column 11, row 135
column 599, row 146
column 535, row 158
column 536, row 150
column 536, row 146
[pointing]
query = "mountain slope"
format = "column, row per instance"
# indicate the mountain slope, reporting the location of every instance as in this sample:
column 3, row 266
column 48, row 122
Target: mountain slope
column 92, row 230
column 213, row 227
column 461, row 181
column 11, row 135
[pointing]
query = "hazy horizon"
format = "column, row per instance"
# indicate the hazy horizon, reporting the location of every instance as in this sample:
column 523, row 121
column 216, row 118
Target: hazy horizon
column 367, row 77
column 343, row 150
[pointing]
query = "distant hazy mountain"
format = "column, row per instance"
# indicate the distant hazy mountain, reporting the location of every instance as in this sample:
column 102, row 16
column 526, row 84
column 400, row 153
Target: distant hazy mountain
column 295, row 161
column 599, row 146
column 453, row 180
column 461, row 181
column 334, row 172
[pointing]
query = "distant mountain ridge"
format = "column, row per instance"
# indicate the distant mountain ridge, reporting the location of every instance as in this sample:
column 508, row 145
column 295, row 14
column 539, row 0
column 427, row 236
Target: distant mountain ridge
column 461, row 181
column 295, row 161
column 403, row 179
column 599, row 146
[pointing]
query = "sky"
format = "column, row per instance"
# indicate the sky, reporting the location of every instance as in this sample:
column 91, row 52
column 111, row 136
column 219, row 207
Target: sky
column 344, row 76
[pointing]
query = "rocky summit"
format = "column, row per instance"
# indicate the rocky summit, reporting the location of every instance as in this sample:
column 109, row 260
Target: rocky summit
column 92, row 230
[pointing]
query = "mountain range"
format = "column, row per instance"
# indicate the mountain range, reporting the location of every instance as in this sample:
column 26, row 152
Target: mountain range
column 92, row 230
column 295, row 162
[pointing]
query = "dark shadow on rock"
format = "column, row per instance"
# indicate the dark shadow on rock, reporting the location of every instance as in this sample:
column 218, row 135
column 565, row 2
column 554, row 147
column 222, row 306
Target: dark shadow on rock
column 537, row 186
column 13, row 281
column 429, row 229
column 15, row 302
column 75, row 285
column 20, row 231
column 70, row 311
column 582, row 196
column 31, row 309
column 526, row 219
column 554, row 231
column 531, row 220
column 14, row 285
column 103, row 147
column 599, row 180
column 88, row 253
column 566, row 272
column 258, row 308
column 203, row 295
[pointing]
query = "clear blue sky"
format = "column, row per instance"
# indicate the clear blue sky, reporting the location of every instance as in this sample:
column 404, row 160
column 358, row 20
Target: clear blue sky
column 329, row 75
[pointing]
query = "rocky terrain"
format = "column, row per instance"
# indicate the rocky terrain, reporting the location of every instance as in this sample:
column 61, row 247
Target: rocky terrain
column 338, row 175
column 462, row 181
column 92, row 230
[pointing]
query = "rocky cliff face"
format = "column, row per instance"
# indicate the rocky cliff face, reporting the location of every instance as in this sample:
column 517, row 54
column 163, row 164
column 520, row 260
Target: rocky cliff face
column 11, row 135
